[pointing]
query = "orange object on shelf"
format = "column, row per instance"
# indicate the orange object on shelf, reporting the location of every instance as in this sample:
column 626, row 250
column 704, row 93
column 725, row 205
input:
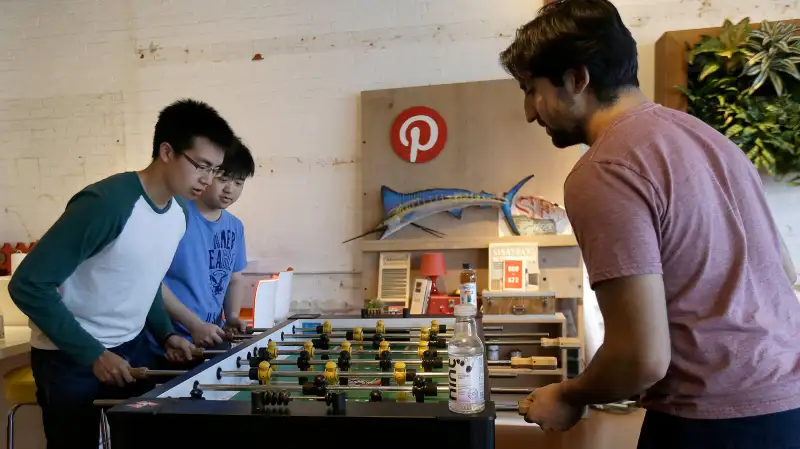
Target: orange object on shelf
column 442, row 304
column 5, row 254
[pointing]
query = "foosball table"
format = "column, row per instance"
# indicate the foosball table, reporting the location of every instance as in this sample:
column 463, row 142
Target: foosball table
column 334, row 381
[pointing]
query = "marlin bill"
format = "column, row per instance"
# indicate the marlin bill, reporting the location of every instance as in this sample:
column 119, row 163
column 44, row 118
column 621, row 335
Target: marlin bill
column 405, row 209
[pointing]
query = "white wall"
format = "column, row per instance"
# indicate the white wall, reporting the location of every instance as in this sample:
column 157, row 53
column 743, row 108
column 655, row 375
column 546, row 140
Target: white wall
column 81, row 83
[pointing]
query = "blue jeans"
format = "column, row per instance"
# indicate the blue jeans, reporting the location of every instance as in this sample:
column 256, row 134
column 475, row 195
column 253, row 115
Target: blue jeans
column 773, row 431
column 65, row 392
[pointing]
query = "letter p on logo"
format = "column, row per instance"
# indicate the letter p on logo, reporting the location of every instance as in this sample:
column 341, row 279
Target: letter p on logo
column 418, row 134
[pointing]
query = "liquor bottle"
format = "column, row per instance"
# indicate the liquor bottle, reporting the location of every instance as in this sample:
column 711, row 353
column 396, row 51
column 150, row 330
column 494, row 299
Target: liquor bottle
column 466, row 363
column 469, row 285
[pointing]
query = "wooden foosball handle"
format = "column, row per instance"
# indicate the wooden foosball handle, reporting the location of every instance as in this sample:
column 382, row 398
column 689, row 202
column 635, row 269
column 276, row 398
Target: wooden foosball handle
column 138, row 373
column 534, row 362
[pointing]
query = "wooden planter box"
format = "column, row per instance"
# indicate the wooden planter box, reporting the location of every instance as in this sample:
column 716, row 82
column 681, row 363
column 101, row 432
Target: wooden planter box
column 671, row 65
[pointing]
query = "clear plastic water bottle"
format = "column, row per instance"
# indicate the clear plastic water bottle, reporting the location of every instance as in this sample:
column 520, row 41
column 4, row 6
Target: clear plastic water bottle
column 466, row 367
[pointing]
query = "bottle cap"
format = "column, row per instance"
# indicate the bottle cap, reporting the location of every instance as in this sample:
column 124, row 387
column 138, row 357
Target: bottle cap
column 466, row 266
column 465, row 310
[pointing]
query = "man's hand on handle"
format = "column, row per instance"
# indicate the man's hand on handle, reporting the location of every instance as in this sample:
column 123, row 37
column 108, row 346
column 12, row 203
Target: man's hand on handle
column 207, row 334
column 237, row 325
column 178, row 349
column 112, row 369
column 548, row 408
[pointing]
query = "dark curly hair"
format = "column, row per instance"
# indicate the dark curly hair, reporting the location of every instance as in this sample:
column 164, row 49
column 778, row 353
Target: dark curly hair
column 568, row 34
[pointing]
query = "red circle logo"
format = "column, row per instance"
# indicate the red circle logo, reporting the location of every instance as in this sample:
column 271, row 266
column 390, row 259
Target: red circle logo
column 418, row 134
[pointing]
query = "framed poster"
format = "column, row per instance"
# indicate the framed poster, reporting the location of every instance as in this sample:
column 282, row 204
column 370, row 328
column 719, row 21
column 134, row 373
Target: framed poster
column 514, row 267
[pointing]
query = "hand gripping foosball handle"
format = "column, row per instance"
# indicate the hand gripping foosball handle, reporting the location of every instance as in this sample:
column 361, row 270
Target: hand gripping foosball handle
column 138, row 373
column 534, row 362
column 523, row 406
column 198, row 353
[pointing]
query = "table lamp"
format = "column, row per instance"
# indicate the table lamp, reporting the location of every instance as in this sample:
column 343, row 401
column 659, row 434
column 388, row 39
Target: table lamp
column 432, row 266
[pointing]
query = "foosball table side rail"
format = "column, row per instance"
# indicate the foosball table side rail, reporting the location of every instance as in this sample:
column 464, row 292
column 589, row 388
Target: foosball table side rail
column 169, row 428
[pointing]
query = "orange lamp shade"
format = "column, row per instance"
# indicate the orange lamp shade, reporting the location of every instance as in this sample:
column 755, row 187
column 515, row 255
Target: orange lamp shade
column 432, row 264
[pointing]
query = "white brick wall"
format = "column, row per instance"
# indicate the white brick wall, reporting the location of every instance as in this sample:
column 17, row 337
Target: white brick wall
column 81, row 83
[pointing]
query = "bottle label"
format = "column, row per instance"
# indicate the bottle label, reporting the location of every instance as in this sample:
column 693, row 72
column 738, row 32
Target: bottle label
column 466, row 379
column 469, row 294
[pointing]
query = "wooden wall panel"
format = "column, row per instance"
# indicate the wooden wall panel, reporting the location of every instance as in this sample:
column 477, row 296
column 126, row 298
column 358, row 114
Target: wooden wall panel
column 490, row 147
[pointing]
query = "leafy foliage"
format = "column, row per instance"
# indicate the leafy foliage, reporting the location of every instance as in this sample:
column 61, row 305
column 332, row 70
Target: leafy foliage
column 746, row 85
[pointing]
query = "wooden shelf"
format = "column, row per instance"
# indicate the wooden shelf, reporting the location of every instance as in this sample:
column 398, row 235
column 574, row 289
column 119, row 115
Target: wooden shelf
column 445, row 244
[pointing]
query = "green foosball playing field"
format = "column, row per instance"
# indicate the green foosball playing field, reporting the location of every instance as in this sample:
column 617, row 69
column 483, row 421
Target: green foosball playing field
column 400, row 367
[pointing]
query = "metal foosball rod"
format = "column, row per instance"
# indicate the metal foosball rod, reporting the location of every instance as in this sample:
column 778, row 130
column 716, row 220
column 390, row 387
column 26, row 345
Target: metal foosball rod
column 147, row 373
column 363, row 352
column 202, row 353
column 289, row 362
column 265, row 372
column 440, row 343
column 380, row 328
column 355, row 352
column 389, row 337
column 272, row 351
column 343, row 374
column 257, row 387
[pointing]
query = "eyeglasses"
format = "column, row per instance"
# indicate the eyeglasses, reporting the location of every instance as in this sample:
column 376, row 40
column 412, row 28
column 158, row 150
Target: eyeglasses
column 214, row 171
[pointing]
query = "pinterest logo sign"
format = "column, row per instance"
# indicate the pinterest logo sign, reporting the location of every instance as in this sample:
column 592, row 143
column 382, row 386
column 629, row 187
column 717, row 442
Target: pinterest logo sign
column 418, row 134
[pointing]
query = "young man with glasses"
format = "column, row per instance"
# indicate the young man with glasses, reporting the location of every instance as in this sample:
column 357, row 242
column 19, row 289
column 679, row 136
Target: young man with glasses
column 204, row 287
column 92, row 283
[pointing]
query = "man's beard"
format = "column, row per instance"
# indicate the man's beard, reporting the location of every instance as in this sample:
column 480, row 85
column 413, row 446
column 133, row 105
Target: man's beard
column 563, row 138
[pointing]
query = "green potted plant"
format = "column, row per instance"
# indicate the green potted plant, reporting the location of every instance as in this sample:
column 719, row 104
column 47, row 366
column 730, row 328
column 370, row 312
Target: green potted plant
column 745, row 83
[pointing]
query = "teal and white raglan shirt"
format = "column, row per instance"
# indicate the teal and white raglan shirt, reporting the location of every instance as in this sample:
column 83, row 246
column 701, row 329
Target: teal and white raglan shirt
column 94, row 279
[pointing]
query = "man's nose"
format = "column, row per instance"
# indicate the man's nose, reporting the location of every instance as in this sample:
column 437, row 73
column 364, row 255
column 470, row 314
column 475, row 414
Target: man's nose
column 206, row 179
column 530, row 113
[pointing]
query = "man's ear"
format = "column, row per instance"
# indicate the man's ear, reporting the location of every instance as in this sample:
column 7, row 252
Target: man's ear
column 165, row 152
column 576, row 80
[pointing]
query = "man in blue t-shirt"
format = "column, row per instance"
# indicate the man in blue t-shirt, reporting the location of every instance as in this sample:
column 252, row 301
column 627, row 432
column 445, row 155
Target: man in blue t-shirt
column 204, row 287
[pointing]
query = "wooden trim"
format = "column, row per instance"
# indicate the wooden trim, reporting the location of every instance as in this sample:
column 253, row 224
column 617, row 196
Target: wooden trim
column 671, row 66
column 449, row 244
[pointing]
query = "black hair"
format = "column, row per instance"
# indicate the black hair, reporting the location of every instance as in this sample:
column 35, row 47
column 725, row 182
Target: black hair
column 568, row 34
column 239, row 163
column 184, row 120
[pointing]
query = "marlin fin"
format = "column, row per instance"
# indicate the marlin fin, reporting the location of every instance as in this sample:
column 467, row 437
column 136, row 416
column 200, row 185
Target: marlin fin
column 430, row 231
column 390, row 199
column 509, row 200
column 371, row 231
column 456, row 213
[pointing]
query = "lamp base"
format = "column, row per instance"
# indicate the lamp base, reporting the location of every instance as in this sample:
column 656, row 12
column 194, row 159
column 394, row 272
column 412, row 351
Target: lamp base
column 434, row 290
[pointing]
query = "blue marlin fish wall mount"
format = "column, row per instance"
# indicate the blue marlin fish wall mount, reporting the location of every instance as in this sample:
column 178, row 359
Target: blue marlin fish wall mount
column 405, row 209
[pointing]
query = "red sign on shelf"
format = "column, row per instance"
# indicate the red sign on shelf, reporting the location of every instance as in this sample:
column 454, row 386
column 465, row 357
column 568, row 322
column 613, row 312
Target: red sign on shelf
column 512, row 274
column 418, row 134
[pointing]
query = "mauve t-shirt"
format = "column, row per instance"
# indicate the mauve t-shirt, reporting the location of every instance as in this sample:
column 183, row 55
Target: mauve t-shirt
column 661, row 192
